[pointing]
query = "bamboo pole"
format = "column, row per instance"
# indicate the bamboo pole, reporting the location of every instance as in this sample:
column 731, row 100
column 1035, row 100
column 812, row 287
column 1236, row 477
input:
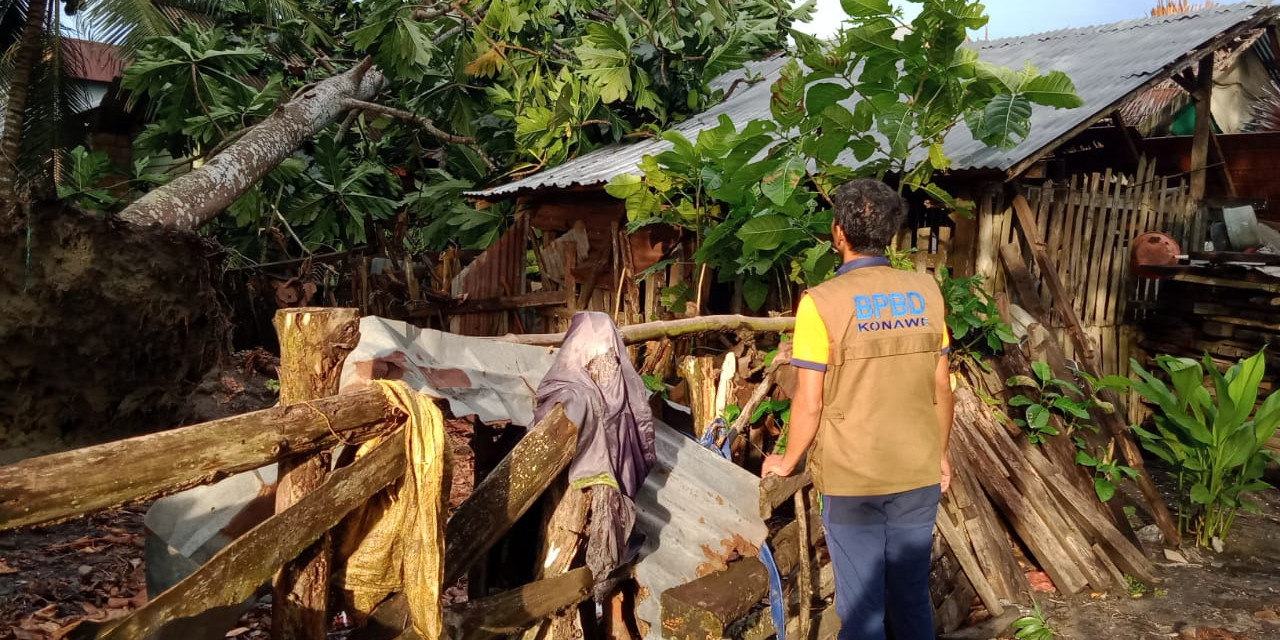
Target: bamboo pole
column 638, row 333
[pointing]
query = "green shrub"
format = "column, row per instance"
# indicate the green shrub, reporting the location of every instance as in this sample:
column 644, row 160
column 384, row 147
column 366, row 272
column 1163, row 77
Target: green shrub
column 972, row 317
column 1215, row 442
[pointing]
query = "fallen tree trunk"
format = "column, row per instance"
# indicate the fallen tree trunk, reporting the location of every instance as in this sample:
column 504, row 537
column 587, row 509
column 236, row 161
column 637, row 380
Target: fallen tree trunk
column 236, row 572
column 197, row 197
column 65, row 485
column 637, row 333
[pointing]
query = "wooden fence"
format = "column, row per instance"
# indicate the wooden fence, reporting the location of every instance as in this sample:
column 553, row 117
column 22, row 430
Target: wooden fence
column 1089, row 223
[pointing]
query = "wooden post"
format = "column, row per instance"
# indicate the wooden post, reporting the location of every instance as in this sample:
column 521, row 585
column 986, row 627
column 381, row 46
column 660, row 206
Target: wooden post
column 806, row 563
column 1204, row 129
column 314, row 342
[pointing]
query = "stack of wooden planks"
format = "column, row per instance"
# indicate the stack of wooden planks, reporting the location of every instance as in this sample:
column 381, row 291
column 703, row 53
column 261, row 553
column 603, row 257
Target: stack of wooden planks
column 1217, row 307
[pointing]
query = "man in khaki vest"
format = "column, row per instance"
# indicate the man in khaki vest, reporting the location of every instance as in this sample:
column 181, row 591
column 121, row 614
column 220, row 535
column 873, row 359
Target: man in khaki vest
column 873, row 397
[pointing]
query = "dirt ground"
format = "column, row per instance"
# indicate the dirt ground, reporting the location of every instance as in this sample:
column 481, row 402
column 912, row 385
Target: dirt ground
column 1233, row 595
column 92, row 568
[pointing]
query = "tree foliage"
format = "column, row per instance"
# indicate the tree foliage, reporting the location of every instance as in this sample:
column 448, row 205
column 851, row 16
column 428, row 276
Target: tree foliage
column 879, row 100
column 478, row 92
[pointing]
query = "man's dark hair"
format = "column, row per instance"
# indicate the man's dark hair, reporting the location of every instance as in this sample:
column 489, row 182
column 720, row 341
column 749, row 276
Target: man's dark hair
column 870, row 214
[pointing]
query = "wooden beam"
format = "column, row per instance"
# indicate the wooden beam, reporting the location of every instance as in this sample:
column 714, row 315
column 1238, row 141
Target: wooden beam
column 1130, row 145
column 1049, row 273
column 73, row 483
column 638, row 333
column 508, row 492
column 314, row 342
column 1204, row 129
column 774, row 491
column 507, row 303
column 236, row 572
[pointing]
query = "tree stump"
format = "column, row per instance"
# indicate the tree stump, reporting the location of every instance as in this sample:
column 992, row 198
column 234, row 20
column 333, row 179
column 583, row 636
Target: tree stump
column 314, row 342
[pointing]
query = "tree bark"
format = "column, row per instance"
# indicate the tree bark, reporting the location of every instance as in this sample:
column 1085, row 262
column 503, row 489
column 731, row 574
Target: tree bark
column 197, row 197
column 313, row 345
column 73, row 483
column 637, row 333
column 16, row 106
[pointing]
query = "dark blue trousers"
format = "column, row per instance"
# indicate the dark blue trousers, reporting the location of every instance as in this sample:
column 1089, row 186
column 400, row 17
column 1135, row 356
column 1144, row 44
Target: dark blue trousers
column 881, row 549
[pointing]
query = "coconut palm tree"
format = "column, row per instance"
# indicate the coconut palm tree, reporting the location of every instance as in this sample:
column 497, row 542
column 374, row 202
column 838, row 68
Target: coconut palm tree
column 35, row 67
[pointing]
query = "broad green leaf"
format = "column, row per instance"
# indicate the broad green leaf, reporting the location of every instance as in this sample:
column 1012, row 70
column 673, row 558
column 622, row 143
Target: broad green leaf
column 1038, row 417
column 1053, row 90
column 824, row 95
column 1042, row 370
column 1006, row 122
column 1104, row 488
column 1200, row 494
column 866, row 8
column 763, row 233
column 897, row 123
column 779, row 186
column 1244, row 385
column 754, row 292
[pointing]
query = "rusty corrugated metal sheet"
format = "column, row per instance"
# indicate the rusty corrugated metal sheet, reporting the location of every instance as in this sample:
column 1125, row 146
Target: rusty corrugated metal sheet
column 1107, row 63
column 696, row 510
column 484, row 278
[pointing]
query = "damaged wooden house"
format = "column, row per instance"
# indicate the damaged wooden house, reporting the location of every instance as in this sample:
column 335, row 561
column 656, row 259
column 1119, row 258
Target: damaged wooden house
column 723, row 554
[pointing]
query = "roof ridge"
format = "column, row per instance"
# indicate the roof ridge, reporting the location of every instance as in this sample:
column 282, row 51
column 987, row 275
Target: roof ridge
column 1121, row 25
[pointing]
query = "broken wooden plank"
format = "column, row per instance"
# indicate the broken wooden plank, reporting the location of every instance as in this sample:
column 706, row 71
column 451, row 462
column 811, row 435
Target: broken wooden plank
column 638, row 333
column 508, row 492
column 314, row 342
column 73, row 483
column 776, row 490
column 236, row 572
column 972, row 431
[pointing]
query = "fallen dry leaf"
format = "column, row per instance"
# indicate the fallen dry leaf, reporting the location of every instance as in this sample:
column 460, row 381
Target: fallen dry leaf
column 238, row 631
column 5, row 569
column 1268, row 616
column 119, row 603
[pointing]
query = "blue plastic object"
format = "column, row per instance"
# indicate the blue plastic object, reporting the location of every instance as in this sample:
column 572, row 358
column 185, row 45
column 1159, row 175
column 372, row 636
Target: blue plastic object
column 777, row 609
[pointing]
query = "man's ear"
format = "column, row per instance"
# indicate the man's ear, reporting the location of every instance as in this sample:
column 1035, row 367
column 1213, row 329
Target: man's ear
column 838, row 239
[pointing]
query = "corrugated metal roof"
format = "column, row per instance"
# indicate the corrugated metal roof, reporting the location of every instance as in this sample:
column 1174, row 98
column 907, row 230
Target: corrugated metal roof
column 1107, row 64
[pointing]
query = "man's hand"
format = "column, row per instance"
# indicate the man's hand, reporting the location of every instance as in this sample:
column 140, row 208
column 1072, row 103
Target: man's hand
column 776, row 465
column 946, row 472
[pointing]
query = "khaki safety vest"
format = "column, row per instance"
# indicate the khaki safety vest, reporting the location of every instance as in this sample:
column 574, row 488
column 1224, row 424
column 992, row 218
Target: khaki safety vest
column 879, row 432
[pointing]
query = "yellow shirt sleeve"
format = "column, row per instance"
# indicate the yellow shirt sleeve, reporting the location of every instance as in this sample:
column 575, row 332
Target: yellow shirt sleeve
column 811, row 349
column 946, row 340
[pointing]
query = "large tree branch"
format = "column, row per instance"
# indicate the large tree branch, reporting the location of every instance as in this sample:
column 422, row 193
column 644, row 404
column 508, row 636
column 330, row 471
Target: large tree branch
column 636, row 333
column 426, row 124
column 197, row 197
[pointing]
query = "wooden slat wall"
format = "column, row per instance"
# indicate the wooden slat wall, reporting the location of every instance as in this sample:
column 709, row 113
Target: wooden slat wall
column 1089, row 223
